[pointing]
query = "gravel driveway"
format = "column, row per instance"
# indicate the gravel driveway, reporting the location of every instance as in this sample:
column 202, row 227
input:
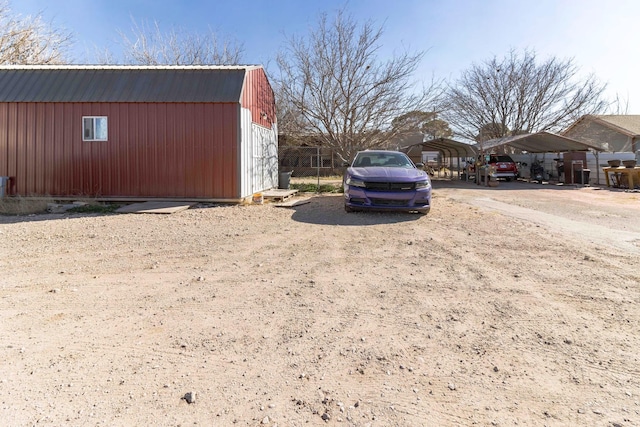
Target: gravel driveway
column 509, row 305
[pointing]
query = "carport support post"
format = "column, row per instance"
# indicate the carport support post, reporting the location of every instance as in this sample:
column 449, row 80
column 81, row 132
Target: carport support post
column 597, row 153
column 530, row 163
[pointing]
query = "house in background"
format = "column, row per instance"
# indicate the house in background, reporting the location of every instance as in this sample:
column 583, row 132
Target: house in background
column 614, row 133
column 128, row 132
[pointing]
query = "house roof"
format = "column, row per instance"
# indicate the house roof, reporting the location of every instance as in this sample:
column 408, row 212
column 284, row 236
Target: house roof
column 625, row 124
column 541, row 142
column 122, row 83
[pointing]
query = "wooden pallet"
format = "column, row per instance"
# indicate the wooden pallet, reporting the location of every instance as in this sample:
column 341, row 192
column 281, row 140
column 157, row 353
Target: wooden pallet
column 278, row 195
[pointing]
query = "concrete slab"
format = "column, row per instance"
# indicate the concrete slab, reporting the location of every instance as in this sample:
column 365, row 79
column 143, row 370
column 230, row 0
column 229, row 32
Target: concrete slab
column 292, row 203
column 155, row 207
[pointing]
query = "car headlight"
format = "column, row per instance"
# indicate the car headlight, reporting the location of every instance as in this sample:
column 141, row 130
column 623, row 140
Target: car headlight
column 423, row 184
column 355, row 182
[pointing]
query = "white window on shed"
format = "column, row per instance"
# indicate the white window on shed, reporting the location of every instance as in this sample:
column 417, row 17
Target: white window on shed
column 94, row 128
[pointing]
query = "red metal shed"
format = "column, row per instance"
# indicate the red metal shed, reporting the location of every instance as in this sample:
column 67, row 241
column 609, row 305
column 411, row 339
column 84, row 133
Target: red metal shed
column 180, row 132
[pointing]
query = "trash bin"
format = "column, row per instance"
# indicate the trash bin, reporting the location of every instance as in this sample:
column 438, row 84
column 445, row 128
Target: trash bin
column 584, row 179
column 4, row 183
column 284, row 180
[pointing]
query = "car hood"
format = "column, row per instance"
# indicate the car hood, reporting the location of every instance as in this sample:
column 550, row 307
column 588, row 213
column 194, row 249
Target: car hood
column 391, row 174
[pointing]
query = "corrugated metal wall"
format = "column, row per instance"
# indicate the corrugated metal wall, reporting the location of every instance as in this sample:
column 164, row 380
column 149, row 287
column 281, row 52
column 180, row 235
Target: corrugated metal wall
column 248, row 174
column 180, row 150
column 259, row 156
column 270, row 147
column 259, row 138
column 258, row 97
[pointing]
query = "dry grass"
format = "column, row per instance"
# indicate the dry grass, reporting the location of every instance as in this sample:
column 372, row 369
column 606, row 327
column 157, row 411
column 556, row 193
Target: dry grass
column 24, row 205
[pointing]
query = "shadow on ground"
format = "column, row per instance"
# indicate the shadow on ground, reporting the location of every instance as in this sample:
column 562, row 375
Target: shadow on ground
column 329, row 210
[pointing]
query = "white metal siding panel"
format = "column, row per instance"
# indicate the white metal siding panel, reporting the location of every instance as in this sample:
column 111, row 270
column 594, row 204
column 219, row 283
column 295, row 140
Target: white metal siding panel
column 259, row 156
column 246, row 154
column 266, row 143
column 271, row 154
column 257, row 160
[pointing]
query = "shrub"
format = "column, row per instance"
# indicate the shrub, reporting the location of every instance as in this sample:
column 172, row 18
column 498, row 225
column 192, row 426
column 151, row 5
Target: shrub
column 95, row 208
column 313, row 188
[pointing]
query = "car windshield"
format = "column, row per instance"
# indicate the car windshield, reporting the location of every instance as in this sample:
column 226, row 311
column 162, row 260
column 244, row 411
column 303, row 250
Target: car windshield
column 363, row 160
column 503, row 159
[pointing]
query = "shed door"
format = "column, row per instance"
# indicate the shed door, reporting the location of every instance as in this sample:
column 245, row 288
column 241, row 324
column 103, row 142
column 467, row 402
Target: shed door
column 257, row 160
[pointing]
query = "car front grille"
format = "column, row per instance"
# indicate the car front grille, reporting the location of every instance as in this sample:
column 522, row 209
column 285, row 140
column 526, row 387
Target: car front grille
column 389, row 202
column 390, row 186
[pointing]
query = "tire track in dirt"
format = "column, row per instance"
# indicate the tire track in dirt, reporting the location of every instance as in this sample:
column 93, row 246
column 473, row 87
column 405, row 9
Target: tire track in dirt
column 628, row 241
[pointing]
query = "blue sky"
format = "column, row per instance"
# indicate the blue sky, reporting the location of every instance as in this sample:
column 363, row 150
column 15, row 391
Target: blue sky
column 602, row 37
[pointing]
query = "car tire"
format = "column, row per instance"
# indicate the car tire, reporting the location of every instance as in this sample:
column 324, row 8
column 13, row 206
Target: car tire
column 507, row 179
column 348, row 209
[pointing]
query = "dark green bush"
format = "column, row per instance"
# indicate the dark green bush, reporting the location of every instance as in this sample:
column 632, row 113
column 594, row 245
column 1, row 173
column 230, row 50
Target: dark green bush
column 313, row 188
column 95, row 208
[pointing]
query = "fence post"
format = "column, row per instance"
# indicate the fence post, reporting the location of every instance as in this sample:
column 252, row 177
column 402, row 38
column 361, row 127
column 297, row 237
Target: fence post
column 318, row 168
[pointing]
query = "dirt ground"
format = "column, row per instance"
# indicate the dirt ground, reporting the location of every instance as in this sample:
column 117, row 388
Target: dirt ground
column 514, row 305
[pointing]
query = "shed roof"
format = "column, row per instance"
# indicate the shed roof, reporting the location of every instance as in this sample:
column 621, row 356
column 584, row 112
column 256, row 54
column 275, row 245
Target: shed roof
column 625, row 124
column 541, row 142
column 122, row 83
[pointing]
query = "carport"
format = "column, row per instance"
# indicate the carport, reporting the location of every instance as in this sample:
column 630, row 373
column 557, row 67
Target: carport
column 541, row 143
column 533, row 143
column 445, row 146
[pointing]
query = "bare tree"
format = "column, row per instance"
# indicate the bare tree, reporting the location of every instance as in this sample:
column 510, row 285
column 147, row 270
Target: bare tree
column 344, row 95
column 424, row 122
column 517, row 94
column 290, row 120
column 619, row 106
column 30, row 40
column 149, row 45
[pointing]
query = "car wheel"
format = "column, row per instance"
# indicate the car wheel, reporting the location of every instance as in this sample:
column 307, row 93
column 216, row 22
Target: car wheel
column 348, row 209
column 507, row 179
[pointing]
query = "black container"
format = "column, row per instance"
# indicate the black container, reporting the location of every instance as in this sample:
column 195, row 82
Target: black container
column 284, row 179
column 584, row 179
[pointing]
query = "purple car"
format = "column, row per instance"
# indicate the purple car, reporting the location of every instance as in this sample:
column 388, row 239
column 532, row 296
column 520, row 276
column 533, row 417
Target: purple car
column 386, row 180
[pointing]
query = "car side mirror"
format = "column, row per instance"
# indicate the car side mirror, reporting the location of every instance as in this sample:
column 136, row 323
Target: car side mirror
column 346, row 164
column 420, row 165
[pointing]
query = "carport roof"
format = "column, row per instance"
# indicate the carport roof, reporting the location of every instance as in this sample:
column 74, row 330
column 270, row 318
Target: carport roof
column 449, row 146
column 540, row 142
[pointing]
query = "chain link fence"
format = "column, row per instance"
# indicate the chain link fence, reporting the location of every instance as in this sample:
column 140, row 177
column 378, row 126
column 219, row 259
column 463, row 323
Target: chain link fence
column 310, row 162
